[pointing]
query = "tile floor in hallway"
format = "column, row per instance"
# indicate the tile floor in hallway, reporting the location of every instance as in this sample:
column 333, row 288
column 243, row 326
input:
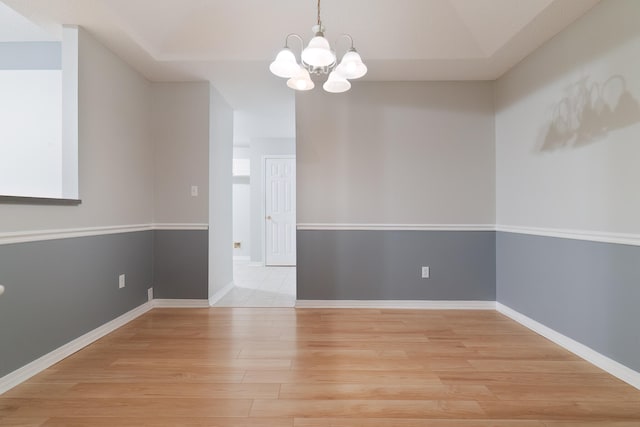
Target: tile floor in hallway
column 260, row 286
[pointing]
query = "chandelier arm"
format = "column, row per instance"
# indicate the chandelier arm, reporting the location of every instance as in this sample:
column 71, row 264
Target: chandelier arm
column 298, row 36
column 340, row 37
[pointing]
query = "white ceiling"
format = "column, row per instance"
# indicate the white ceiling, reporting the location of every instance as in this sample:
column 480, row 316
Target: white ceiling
column 16, row 28
column 231, row 42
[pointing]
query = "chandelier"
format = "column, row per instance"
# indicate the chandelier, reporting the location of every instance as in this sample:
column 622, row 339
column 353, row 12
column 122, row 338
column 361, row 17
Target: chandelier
column 319, row 59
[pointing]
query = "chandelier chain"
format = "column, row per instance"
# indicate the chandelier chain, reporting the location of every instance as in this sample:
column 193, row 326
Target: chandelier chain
column 319, row 20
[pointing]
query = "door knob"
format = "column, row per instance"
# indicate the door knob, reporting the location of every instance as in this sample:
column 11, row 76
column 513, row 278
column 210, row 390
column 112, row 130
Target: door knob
column 269, row 217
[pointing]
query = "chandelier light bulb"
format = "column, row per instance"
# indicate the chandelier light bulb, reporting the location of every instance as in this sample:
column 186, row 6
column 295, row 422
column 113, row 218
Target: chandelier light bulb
column 318, row 53
column 285, row 64
column 301, row 80
column 351, row 65
column 336, row 83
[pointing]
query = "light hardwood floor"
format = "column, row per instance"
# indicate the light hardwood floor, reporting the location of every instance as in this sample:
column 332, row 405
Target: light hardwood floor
column 322, row 368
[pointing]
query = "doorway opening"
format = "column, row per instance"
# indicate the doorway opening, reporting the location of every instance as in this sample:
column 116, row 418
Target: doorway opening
column 264, row 225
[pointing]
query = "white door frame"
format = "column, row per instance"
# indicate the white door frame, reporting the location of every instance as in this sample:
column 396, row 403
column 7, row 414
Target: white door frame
column 263, row 213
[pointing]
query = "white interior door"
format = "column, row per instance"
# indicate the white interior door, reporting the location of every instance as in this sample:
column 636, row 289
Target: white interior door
column 280, row 211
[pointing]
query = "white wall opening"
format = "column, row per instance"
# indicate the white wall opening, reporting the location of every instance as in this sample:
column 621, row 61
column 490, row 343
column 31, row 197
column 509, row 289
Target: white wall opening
column 257, row 281
column 39, row 113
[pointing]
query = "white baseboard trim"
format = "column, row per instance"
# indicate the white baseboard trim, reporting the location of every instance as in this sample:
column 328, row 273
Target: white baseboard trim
column 616, row 369
column 400, row 304
column 180, row 303
column 220, row 294
column 22, row 374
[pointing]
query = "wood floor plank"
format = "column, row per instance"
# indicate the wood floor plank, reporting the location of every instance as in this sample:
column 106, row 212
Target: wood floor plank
column 588, row 423
column 137, row 408
column 223, row 363
column 400, row 422
column 351, row 364
column 169, row 422
column 140, row 374
column 562, row 410
column 384, row 392
column 22, row 422
column 37, row 390
column 358, row 336
column 247, row 367
column 579, row 380
column 174, row 390
column 366, row 408
column 360, row 355
column 561, row 392
column 340, row 377
column 541, row 366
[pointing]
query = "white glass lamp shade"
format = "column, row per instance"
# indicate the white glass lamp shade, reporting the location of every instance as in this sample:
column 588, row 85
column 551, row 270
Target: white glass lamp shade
column 352, row 66
column 318, row 53
column 301, row 80
column 336, row 83
column 285, row 64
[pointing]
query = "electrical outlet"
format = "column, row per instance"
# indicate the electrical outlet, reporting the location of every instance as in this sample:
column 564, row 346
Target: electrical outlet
column 121, row 281
column 1, row 289
column 149, row 294
column 425, row 272
column 194, row 191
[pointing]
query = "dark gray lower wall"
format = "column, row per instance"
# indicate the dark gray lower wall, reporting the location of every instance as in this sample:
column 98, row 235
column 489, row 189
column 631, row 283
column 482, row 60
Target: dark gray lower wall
column 58, row 290
column 385, row 265
column 181, row 264
column 588, row 291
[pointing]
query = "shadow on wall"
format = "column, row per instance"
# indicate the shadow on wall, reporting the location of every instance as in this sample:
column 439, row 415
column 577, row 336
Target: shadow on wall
column 588, row 112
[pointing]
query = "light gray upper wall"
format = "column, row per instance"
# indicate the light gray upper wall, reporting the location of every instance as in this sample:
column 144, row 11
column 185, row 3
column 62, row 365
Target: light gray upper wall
column 397, row 153
column 242, row 205
column 30, row 55
column 241, row 152
column 115, row 150
column 259, row 148
column 220, row 193
column 242, row 216
column 180, row 131
column 258, row 121
column 568, row 125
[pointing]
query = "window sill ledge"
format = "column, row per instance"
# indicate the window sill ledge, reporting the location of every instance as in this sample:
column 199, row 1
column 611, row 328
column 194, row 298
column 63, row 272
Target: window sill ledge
column 21, row 200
